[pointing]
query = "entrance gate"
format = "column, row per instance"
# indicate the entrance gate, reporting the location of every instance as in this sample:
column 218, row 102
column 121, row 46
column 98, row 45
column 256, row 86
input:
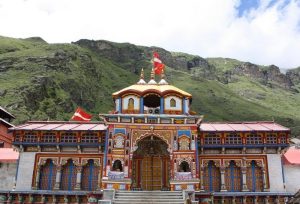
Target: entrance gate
column 151, row 164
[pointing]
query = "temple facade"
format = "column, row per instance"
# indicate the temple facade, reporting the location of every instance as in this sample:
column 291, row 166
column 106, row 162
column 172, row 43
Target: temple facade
column 151, row 141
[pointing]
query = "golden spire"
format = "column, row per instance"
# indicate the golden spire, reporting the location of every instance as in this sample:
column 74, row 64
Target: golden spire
column 162, row 74
column 152, row 79
column 142, row 74
column 142, row 81
column 152, row 74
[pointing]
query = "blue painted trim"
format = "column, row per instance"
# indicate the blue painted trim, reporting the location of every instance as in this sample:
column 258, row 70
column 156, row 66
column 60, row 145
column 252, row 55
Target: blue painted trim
column 161, row 105
column 50, row 175
column 18, row 162
column 91, row 168
column 142, row 105
column 183, row 104
column 253, row 176
column 210, row 176
column 70, row 176
column 197, row 153
column 105, row 149
column 232, row 175
column 282, row 171
column 120, row 105
column 120, row 130
column 184, row 132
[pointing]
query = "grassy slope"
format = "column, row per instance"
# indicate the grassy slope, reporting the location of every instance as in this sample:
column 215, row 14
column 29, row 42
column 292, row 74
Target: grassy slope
column 88, row 80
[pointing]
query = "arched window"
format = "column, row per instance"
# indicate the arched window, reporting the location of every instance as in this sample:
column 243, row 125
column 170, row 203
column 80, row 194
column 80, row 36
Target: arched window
column 211, row 177
column 233, row 177
column 254, row 177
column 130, row 104
column 47, row 175
column 172, row 103
column 184, row 167
column 68, row 176
column 90, row 173
column 117, row 166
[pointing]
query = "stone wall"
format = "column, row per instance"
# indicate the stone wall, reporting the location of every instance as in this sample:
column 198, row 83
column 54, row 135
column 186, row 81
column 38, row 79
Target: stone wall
column 7, row 175
column 275, row 173
column 292, row 178
column 25, row 171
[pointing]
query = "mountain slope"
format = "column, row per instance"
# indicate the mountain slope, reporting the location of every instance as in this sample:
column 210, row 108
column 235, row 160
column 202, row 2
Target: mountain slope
column 40, row 81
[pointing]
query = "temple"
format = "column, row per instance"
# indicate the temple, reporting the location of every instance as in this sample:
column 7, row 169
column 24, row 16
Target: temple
column 152, row 141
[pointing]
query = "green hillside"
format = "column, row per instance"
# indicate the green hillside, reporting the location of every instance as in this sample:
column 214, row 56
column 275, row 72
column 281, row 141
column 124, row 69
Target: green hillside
column 41, row 81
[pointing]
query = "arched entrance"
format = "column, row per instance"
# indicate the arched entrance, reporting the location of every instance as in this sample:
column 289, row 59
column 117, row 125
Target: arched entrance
column 151, row 163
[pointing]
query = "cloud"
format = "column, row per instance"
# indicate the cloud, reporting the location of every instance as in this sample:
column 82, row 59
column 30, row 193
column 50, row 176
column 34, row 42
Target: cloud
column 265, row 33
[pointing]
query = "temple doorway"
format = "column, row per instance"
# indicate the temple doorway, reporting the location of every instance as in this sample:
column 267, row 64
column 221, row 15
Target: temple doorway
column 151, row 162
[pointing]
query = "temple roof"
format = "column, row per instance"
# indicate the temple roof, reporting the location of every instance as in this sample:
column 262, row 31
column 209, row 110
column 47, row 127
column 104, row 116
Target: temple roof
column 242, row 127
column 8, row 155
column 60, row 126
column 5, row 114
column 161, row 89
column 292, row 156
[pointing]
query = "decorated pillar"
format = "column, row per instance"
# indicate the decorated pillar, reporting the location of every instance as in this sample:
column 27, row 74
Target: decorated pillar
column 266, row 199
column 142, row 105
column 264, row 175
column 244, row 176
column 58, row 177
column 37, row 177
column 161, row 105
column 201, row 177
column 78, row 177
column 222, row 171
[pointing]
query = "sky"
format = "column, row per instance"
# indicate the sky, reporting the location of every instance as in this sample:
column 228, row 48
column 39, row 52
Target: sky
column 259, row 31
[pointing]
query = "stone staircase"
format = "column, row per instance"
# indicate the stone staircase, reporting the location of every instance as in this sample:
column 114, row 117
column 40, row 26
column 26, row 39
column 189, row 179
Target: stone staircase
column 155, row 197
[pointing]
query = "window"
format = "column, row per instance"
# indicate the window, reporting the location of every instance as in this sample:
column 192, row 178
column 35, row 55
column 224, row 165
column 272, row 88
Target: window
column 47, row 175
column 130, row 104
column 30, row 137
column 117, row 166
column 68, row 176
column 184, row 167
column 212, row 139
column 211, row 177
column 18, row 137
column 172, row 103
column 233, row 138
column 89, row 138
column 48, row 137
column 254, row 138
column 254, row 177
column 283, row 139
column 233, row 177
column 271, row 139
column 69, row 137
column 90, row 173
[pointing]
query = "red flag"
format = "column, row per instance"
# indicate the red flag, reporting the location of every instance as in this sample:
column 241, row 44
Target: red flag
column 80, row 115
column 157, row 64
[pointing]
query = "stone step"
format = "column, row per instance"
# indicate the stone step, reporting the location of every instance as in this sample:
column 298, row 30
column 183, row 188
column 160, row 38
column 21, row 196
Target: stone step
column 155, row 197
column 149, row 197
column 149, row 202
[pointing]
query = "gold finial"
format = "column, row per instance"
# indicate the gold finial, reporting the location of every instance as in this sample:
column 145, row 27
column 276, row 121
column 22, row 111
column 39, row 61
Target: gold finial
column 162, row 74
column 142, row 74
column 152, row 74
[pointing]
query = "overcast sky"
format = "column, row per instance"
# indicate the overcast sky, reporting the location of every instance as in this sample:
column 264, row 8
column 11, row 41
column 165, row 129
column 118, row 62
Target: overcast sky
column 260, row 31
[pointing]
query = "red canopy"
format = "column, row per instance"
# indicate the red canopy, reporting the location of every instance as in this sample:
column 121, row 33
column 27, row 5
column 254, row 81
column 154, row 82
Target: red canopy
column 8, row 155
column 292, row 156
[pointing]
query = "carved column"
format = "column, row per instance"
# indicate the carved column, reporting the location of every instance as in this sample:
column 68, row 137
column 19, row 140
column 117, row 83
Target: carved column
column 222, row 171
column 78, row 177
column 244, row 176
column 58, row 177
column 264, row 178
column 267, row 200
column 37, row 177
column 201, row 177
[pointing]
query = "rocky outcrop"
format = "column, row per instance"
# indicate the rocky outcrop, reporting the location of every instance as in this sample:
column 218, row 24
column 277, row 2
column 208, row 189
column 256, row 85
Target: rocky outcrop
column 294, row 75
column 268, row 76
